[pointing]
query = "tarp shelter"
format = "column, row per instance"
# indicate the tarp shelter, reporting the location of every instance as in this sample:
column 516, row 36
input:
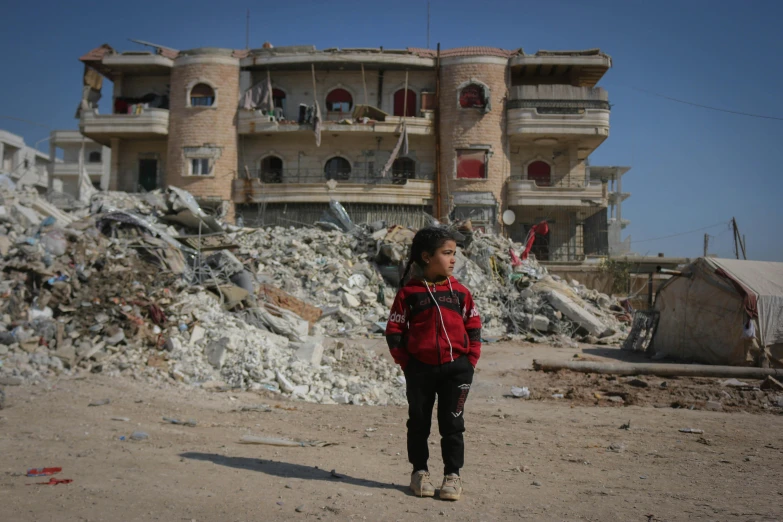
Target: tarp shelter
column 702, row 313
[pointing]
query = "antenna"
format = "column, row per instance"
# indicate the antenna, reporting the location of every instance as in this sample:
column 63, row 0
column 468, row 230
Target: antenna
column 428, row 24
column 247, row 31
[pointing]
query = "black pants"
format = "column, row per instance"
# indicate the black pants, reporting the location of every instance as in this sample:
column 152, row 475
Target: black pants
column 451, row 383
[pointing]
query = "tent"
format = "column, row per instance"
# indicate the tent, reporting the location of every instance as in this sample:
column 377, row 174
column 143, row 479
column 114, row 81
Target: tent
column 702, row 312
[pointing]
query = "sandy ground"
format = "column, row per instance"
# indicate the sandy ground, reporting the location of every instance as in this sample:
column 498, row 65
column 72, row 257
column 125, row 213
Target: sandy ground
column 539, row 459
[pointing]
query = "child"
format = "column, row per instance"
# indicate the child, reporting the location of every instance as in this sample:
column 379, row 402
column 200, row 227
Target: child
column 434, row 334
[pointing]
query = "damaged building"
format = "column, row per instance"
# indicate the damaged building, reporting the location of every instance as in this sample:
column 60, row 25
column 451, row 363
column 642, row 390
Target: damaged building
column 269, row 136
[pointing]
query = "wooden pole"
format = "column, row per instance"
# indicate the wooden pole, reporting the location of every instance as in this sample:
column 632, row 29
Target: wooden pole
column 734, row 227
column 659, row 369
column 364, row 83
column 437, row 135
column 706, row 244
column 405, row 103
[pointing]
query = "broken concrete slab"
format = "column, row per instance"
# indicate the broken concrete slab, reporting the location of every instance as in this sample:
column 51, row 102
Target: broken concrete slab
column 310, row 351
column 216, row 352
column 350, row 301
column 576, row 313
column 537, row 322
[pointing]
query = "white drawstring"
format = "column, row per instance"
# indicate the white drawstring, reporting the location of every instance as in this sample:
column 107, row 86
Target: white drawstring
column 443, row 325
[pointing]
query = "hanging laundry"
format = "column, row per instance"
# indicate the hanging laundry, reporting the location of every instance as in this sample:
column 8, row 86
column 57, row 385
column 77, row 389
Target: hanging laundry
column 258, row 96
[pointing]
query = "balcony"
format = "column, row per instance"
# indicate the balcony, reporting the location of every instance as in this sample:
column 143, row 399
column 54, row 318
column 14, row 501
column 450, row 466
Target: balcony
column 149, row 124
column 566, row 192
column 255, row 122
column 72, row 169
column 553, row 111
column 312, row 186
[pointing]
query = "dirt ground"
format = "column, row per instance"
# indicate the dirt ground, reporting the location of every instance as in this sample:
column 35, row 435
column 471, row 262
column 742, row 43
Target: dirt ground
column 538, row 459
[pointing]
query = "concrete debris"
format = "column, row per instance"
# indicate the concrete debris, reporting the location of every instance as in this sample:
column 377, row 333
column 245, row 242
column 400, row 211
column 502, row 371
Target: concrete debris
column 153, row 287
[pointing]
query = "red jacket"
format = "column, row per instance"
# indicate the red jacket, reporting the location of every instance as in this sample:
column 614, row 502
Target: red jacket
column 416, row 328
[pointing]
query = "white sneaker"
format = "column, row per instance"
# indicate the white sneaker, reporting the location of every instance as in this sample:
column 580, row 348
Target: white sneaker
column 451, row 488
column 421, row 485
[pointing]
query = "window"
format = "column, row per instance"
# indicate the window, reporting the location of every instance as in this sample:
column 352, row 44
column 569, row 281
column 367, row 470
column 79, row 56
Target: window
column 278, row 97
column 202, row 95
column 94, row 157
column 271, row 170
column 400, row 107
column 471, row 164
column 200, row 167
column 339, row 100
column 472, row 96
column 403, row 169
column 540, row 172
column 337, row 168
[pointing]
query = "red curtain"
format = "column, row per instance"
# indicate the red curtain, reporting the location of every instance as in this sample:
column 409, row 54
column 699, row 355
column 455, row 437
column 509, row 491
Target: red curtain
column 399, row 103
column 540, row 172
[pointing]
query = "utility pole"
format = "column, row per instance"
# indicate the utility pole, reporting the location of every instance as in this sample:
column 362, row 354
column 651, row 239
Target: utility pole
column 428, row 27
column 247, row 30
column 706, row 244
column 739, row 242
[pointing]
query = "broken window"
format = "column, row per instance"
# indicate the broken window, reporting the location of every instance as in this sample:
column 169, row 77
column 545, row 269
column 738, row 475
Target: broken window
column 339, row 100
column 472, row 96
column 200, row 167
column 540, row 172
column 471, row 164
column 403, row 106
column 271, row 170
column 278, row 97
column 202, row 95
column 337, row 168
column 94, row 157
column 403, row 169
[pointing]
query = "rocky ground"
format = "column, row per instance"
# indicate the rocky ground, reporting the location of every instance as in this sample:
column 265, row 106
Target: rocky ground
column 536, row 459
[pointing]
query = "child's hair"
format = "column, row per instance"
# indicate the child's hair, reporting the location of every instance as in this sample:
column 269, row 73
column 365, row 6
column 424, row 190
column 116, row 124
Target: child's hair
column 428, row 240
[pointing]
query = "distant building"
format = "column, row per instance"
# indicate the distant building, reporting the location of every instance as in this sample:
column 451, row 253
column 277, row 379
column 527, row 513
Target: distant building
column 78, row 150
column 612, row 179
column 25, row 165
column 489, row 130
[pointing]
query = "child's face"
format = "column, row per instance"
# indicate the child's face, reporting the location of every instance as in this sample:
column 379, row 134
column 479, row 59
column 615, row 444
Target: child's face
column 441, row 262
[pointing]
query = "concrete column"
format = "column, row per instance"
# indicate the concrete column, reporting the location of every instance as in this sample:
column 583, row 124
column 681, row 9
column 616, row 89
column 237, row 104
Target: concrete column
column 107, row 159
column 2, row 156
column 114, row 179
column 50, row 167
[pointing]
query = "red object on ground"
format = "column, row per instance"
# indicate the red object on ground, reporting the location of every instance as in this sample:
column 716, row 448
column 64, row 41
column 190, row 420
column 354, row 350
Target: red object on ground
column 52, row 482
column 514, row 258
column 541, row 229
column 42, row 472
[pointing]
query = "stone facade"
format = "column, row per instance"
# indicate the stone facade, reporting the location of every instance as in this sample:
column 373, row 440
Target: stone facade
column 544, row 108
column 196, row 132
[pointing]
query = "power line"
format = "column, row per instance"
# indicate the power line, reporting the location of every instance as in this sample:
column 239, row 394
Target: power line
column 724, row 223
column 25, row 121
column 751, row 115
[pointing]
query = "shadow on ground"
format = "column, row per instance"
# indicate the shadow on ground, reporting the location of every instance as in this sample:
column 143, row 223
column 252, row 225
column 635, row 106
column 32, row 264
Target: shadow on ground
column 288, row 470
column 616, row 354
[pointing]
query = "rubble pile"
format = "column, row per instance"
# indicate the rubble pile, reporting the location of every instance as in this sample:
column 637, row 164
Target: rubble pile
column 114, row 292
column 153, row 287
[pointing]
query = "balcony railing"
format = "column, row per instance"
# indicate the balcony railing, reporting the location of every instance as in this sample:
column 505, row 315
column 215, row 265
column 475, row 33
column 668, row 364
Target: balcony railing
column 566, row 181
column 558, row 99
column 149, row 123
column 359, row 175
column 566, row 191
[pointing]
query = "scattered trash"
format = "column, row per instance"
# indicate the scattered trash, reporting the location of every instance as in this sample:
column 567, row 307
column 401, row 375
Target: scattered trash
column 139, row 435
column 190, row 422
column 626, row 426
column 691, row 430
column 616, row 447
column 121, row 419
column 536, row 483
column 43, row 472
column 557, row 396
column 52, row 482
column 271, row 441
column 300, row 509
column 522, row 393
column 102, row 402
column 734, row 383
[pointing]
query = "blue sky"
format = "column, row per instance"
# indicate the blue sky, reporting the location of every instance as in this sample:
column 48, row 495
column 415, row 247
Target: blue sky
column 691, row 167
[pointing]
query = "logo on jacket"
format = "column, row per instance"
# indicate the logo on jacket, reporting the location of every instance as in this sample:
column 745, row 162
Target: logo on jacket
column 396, row 317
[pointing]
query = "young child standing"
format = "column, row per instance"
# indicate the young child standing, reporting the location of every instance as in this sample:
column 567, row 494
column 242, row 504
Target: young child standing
column 434, row 334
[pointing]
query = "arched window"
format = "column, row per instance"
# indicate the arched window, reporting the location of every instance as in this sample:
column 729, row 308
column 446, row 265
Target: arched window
column 400, row 108
column 339, row 100
column 540, row 172
column 403, row 169
column 271, row 170
column 337, row 168
column 472, row 96
column 202, row 95
column 94, row 157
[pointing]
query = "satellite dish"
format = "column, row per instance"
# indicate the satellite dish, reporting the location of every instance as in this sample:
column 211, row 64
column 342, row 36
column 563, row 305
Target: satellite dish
column 509, row 217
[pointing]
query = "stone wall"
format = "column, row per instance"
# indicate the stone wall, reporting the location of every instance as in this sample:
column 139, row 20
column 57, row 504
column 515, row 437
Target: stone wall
column 212, row 128
column 467, row 128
